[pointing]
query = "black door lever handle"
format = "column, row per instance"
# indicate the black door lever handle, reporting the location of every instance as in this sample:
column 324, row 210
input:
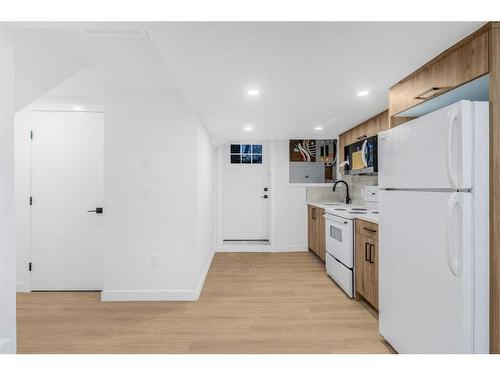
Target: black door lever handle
column 98, row 210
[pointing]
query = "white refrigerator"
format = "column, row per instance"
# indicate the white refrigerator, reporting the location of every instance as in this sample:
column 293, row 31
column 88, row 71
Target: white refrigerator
column 434, row 232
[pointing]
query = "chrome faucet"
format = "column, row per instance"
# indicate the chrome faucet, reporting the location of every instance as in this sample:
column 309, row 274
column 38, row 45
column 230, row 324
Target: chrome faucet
column 347, row 197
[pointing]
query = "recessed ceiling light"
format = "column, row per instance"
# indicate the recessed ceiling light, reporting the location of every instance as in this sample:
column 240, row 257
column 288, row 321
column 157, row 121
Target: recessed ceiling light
column 363, row 93
column 253, row 92
column 248, row 128
column 318, row 128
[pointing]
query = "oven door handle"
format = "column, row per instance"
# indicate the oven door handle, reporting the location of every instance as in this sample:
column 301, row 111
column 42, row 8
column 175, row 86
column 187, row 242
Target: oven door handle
column 335, row 220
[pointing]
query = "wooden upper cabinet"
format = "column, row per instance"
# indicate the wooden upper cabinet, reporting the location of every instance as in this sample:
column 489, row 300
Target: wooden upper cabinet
column 383, row 121
column 449, row 70
column 364, row 130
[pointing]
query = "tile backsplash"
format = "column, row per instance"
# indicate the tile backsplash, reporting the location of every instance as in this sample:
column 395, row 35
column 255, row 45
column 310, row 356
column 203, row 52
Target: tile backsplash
column 356, row 190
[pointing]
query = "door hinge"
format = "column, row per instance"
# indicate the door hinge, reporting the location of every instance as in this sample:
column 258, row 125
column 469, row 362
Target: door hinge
column 31, row 134
column 31, row 200
column 29, row 266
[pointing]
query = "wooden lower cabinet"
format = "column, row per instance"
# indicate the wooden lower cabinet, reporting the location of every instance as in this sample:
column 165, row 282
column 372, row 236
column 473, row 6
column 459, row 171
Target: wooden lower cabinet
column 316, row 231
column 366, row 276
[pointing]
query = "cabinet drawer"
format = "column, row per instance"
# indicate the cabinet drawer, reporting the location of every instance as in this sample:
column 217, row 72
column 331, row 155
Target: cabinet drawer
column 367, row 229
column 340, row 273
column 460, row 66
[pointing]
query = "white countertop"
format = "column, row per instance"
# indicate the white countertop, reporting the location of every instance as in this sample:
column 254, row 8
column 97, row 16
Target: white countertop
column 369, row 213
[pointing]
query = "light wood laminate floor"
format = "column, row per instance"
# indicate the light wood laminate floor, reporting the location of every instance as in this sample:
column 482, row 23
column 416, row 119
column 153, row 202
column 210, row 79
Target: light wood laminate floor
column 251, row 303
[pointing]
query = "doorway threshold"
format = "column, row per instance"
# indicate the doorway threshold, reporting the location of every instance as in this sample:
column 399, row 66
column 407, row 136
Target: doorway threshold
column 246, row 242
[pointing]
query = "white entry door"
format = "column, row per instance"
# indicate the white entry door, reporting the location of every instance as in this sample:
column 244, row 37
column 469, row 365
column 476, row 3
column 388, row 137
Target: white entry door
column 67, row 169
column 245, row 198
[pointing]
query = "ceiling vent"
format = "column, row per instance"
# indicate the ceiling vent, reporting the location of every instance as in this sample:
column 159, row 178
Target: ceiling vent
column 114, row 33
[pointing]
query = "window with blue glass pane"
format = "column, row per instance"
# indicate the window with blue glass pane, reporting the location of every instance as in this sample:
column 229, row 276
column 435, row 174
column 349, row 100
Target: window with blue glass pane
column 245, row 154
column 256, row 159
column 246, row 149
column 246, row 159
column 256, row 149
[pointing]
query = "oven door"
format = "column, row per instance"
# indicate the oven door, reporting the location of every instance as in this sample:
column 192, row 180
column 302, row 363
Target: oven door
column 339, row 239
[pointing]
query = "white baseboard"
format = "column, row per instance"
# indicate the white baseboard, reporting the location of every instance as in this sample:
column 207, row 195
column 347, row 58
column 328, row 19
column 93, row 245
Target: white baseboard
column 292, row 249
column 21, row 288
column 260, row 248
column 149, row 295
column 158, row 295
column 7, row 346
column 204, row 274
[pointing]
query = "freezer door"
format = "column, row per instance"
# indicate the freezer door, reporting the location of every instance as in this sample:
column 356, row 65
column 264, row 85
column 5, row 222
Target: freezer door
column 426, row 273
column 432, row 151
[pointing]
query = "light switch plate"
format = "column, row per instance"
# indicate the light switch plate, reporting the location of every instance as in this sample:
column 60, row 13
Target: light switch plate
column 146, row 192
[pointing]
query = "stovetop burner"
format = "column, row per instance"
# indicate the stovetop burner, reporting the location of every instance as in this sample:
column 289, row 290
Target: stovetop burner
column 374, row 212
column 340, row 209
column 358, row 209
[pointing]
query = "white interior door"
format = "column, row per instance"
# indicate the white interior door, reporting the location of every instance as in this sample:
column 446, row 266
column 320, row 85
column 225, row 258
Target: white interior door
column 67, row 169
column 245, row 206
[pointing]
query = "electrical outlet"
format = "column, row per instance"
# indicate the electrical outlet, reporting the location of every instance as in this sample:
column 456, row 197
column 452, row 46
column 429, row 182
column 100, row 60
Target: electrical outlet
column 154, row 261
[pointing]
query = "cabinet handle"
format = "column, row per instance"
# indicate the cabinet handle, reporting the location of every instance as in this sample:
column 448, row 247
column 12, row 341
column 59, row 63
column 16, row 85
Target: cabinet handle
column 370, row 230
column 433, row 91
column 371, row 247
column 366, row 252
column 362, row 137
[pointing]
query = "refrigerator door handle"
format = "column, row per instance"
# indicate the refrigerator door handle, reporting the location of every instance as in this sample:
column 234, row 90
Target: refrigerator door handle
column 450, row 173
column 453, row 252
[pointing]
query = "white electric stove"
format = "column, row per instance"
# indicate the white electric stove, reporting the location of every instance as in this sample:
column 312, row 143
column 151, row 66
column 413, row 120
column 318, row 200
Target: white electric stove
column 339, row 233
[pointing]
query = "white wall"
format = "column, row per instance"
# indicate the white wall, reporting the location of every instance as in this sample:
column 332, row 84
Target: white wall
column 288, row 211
column 205, row 198
column 41, row 64
column 150, row 194
column 23, row 191
column 158, row 195
column 290, row 205
column 7, row 249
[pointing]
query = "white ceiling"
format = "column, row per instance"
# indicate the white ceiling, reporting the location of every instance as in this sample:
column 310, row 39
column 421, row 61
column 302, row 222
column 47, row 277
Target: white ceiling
column 308, row 73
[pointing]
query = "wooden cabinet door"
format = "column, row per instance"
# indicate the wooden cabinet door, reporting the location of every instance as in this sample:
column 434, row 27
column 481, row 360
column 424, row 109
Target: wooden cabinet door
column 467, row 62
column 360, row 263
column 366, row 263
column 370, row 273
column 384, row 123
column 316, row 231
column 320, row 233
column 311, row 227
